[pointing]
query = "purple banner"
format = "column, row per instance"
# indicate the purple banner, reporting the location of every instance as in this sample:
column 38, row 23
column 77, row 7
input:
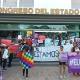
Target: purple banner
column 74, row 63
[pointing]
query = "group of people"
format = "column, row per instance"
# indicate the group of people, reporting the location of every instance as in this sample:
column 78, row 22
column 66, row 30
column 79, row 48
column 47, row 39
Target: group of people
column 26, row 46
column 7, row 54
column 63, row 64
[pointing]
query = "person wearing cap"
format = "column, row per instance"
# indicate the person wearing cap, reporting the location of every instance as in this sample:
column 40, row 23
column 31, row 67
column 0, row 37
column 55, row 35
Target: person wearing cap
column 62, row 63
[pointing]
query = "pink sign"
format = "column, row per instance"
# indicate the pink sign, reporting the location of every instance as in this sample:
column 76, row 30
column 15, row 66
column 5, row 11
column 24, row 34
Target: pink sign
column 6, row 41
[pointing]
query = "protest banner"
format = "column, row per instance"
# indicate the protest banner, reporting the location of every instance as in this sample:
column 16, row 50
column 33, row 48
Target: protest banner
column 74, row 63
column 48, row 53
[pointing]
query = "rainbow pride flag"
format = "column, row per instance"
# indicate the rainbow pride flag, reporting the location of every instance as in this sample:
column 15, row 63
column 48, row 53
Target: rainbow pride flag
column 26, row 59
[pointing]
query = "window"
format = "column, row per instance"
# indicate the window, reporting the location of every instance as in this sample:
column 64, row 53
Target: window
column 26, row 3
column 9, row 3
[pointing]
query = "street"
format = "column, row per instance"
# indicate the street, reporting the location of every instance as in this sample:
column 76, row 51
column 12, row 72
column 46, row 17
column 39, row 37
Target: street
column 38, row 72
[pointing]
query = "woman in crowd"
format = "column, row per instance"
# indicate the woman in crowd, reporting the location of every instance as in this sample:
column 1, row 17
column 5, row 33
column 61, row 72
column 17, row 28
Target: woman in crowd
column 75, row 49
column 61, row 62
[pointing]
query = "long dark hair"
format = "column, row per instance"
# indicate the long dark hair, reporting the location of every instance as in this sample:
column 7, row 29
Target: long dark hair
column 73, row 48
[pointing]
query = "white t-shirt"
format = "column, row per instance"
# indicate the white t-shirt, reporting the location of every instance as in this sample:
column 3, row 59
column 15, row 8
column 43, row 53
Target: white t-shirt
column 5, row 54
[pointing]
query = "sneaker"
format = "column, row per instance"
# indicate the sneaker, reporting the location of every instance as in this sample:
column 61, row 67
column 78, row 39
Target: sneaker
column 27, row 79
column 61, row 76
column 64, row 76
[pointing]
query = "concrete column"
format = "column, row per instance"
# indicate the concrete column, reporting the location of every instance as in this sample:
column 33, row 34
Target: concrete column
column 77, row 29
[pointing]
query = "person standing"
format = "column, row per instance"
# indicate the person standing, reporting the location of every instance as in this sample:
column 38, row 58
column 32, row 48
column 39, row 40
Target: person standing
column 75, row 49
column 5, row 57
column 62, row 63
column 24, row 53
column 24, row 49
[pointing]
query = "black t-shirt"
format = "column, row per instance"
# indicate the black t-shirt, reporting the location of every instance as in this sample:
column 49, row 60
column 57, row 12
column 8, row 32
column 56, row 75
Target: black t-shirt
column 25, row 47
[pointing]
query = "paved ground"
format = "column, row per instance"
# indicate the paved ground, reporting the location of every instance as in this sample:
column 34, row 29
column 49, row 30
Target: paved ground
column 38, row 72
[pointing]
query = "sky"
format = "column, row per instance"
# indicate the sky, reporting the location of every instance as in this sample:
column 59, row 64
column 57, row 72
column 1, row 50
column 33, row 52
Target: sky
column 62, row 4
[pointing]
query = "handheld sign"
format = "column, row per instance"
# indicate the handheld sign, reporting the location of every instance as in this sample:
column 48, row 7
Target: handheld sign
column 74, row 63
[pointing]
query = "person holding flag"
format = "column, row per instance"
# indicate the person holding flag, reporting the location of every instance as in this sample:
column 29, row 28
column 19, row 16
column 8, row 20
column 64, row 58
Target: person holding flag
column 26, row 58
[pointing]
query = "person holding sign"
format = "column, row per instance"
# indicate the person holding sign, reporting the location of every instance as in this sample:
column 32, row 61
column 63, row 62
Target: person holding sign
column 75, row 49
column 62, row 62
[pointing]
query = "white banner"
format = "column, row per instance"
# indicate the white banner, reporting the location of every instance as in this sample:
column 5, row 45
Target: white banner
column 50, row 53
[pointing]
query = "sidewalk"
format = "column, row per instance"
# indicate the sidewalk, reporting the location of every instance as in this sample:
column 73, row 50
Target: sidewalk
column 36, row 73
